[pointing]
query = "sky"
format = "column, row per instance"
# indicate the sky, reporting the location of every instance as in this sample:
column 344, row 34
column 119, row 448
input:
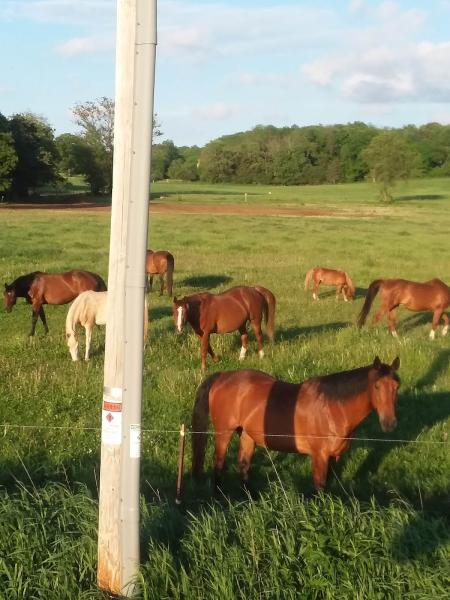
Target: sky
column 227, row 66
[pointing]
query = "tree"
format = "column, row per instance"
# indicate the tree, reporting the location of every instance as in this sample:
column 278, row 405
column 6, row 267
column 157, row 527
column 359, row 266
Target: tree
column 36, row 151
column 391, row 157
column 96, row 121
column 8, row 156
column 77, row 157
column 186, row 166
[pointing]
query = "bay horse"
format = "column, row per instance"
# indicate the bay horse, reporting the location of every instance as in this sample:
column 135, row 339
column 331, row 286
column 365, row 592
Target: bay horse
column 160, row 263
column 316, row 417
column 341, row 279
column 433, row 295
column 226, row 312
column 89, row 309
column 51, row 288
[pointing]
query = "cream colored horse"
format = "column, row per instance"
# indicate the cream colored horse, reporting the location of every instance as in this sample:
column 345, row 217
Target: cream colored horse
column 89, row 309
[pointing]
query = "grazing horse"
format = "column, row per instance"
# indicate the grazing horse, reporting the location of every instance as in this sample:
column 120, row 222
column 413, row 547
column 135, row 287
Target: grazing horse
column 159, row 263
column 89, row 309
column 340, row 279
column 316, row 417
column 226, row 312
column 51, row 288
column 432, row 295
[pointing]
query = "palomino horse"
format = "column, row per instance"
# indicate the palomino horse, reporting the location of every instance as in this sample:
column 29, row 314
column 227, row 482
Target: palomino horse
column 159, row 263
column 340, row 279
column 55, row 288
column 226, row 312
column 432, row 295
column 89, row 309
column 316, row 417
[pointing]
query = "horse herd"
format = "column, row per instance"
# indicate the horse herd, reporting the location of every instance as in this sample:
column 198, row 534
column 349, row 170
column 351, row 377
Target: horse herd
column 315, row 417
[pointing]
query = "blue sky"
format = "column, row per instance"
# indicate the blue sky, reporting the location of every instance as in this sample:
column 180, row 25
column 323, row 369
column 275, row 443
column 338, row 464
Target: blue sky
column 226, row 66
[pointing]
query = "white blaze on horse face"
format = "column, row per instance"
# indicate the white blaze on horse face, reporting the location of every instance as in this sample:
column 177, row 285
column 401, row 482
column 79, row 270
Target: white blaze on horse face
column 180, row 318
column 432, row 334
column 242, row 353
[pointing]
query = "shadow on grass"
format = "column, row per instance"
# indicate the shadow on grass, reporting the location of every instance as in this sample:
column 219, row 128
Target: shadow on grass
column 421, row 537
column 205, row 282
column 202, row 192
column 323, row 295
column 421, row 197
column 291, row 333
column 159, row 312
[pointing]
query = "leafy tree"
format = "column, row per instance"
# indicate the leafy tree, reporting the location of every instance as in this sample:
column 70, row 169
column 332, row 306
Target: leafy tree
column 36, row 151
column 186, row 166
column 391, row 157
column 78, row 157
column 96, row 121
column 162, row 156
column 8, row 156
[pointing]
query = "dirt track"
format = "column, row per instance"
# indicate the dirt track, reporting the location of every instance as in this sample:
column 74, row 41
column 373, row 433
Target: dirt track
column 218, row 209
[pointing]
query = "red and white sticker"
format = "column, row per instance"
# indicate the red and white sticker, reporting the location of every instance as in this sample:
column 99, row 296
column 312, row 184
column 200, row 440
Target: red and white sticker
column 112, row 416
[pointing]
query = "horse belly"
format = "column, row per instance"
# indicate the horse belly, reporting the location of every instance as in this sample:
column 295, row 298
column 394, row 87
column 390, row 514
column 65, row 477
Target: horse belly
column 228, row 322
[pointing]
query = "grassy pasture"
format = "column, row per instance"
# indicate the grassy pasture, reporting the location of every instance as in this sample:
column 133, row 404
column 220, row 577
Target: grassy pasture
column 382, row 531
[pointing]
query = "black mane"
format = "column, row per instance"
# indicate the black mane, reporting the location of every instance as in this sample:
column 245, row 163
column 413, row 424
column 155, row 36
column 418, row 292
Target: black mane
column 344, row 384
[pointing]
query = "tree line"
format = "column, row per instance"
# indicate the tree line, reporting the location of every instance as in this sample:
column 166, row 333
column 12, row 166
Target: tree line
column 31, row 156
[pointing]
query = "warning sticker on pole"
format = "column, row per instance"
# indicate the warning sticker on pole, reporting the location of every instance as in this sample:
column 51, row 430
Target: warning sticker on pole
column 135, row 441
column 112, row 416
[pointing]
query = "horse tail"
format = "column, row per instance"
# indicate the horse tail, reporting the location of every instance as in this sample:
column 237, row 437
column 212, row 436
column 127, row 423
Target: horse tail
column 100, row 284
column 169, row 276
column 309, row 276
column 349, row 283
column 200, row 416
column 371, row 293
column 269, row 312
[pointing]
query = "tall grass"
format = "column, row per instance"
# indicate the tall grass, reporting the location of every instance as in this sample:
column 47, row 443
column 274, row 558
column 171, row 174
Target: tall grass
column 384, row 524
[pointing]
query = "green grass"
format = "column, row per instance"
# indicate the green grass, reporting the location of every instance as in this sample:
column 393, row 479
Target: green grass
column 381, row 531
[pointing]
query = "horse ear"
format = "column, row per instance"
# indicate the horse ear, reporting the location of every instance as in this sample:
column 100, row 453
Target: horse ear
column 376, row 362
column 395, row 363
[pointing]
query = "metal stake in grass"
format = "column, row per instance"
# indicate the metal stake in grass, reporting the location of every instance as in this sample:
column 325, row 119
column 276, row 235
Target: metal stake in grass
column 180, row 463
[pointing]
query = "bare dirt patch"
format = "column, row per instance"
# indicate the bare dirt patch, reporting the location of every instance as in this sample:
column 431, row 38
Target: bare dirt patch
column 207, row 209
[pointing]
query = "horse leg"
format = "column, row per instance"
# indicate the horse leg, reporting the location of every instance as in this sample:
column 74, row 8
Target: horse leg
column 391, row 321
column 339, row 289
column 316, row 290
column 256, row 324
column 244, row 338
column 344, row 290
column 43, row 319
column 205, row 348
column 150, row 283
column 246, row 450
column 222, row 440
column 320, row 469
column 34, row 318
column 436, row 318
column 446, row 321
column 380, row 313
column 161, row 280
column 88, row 330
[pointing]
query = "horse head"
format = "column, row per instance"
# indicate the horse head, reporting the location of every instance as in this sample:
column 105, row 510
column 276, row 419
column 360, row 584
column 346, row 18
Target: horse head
column 179, row 311
column 9, row 297
column 384, row 383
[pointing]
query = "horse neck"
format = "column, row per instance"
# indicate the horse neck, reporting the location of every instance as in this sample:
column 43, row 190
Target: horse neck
column 357, row 408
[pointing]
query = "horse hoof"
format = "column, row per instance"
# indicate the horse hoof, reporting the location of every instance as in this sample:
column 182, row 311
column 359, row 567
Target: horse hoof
column 216, row 358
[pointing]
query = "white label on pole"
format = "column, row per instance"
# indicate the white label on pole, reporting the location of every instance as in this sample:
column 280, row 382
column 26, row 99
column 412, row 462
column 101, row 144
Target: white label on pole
column 135, row 441
column 112, row 416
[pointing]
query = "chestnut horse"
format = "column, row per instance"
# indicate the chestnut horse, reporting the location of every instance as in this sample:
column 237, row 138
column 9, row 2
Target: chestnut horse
column 316, row 417
column 432, row 295
column 226, row 312
column 159, row 263
column 340, row 279
column 19, row 288
column 51, row 288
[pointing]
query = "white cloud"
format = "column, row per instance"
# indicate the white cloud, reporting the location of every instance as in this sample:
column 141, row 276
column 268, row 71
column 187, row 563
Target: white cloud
column 73, row 12
column 217, row 112
column 86, row 45
column 356, row 6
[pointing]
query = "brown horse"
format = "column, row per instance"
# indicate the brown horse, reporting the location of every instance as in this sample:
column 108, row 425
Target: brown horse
column 432, row 295
column 226, row 312
column 340, row 279
column 316, row 417
column 54, row 288
column 159, row 263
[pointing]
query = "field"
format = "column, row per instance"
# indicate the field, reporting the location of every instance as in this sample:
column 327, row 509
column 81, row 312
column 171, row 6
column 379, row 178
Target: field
column 381, row 530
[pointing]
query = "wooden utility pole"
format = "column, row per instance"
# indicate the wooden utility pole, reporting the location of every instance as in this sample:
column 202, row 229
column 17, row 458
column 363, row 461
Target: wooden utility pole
column 118, row 537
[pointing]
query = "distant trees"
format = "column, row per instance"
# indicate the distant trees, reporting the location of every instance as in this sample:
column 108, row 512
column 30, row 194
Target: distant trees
column 391, row 157
column 8, row 156
column 37, row 156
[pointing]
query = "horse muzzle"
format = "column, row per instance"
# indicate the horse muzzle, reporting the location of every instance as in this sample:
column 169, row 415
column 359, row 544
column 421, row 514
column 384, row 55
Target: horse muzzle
column 388, row 425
